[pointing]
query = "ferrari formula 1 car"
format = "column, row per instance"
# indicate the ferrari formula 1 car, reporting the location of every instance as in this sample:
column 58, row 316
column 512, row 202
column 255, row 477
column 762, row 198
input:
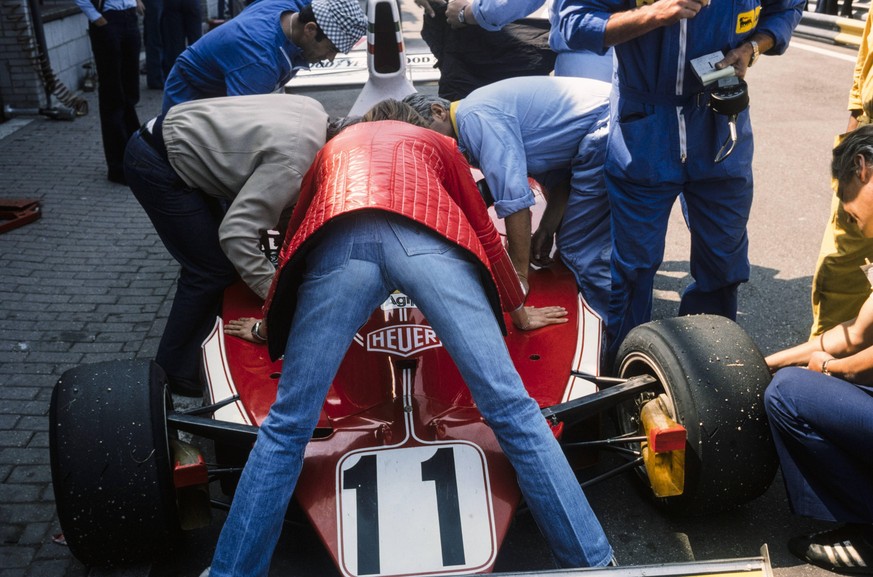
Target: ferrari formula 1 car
column 402, row 476
column 400, row 451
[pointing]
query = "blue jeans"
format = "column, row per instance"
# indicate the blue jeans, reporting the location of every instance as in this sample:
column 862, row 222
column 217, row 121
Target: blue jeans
column 365, row 256
column 187, row 222
column 823, row 430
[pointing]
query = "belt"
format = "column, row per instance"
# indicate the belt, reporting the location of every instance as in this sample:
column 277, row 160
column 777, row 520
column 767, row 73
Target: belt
column 699, row 99
column 146, row 132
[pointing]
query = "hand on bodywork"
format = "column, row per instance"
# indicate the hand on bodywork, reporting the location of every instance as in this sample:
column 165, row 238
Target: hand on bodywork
column 244, row 328
column 531, row 318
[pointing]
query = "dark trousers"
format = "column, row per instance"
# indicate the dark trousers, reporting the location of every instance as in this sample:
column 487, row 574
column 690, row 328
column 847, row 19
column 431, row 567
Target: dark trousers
column 151, row 31
column 830, row 7
column 116, row 47
column 823, row 430
column 187, row 222
column 181, row 26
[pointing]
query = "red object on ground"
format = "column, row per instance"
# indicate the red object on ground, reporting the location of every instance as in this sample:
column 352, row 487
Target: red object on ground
column 16, row 212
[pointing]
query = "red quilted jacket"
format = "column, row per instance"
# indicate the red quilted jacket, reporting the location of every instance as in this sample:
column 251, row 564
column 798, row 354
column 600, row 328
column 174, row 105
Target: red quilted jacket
column 400, row 168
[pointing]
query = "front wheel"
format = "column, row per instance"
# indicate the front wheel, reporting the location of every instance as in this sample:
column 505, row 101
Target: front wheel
column 110, row 461
column 713, row 379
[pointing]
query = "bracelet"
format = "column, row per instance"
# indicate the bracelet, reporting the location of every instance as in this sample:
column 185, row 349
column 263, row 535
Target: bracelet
column 824, row 367
column 756, row 52
column 256, row 333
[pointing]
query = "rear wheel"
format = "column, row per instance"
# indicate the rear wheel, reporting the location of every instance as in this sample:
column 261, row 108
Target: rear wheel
column 713, row 379
column 110, row 460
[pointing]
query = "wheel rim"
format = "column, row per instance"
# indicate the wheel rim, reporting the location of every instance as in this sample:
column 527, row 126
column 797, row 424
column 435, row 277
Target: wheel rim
column 628, row 413
column 637, row 363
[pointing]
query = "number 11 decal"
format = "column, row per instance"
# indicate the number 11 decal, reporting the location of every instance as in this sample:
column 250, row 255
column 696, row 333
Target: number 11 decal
column 400, row 510
column 441, row 470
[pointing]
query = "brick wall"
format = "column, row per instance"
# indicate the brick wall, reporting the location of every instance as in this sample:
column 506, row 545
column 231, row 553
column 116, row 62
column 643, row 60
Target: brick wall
column 69, row 48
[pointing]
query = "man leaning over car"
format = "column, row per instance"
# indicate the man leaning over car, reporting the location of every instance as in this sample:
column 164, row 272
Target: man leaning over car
column 213, row 175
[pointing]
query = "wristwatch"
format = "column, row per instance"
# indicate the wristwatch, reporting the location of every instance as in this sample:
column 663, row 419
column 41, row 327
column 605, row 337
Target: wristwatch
column 256, row 333
column 824, row 367
column 462, row 18
column 756, row 52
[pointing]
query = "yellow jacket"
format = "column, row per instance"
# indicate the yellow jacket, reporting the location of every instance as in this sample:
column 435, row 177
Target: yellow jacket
column 861, row 95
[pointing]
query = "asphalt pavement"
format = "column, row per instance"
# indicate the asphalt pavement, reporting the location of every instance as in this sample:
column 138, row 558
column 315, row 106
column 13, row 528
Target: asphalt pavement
column 90, row 281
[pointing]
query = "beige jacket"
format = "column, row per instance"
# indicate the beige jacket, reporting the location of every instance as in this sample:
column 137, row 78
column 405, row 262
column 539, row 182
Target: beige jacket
column 253, row 152
column 861, row 94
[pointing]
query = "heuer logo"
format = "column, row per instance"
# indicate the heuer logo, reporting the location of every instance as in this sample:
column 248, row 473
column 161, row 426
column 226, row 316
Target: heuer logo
column 403, row 340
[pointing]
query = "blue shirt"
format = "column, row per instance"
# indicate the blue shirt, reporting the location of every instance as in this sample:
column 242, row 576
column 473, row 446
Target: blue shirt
column 250, row 54
column 527, row 126
column 92, row 14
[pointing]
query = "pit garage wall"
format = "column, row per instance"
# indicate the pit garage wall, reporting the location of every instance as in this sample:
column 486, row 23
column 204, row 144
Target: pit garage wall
column 66, row 33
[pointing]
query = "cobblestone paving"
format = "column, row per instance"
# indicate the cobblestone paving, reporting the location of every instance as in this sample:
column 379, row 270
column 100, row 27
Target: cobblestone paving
column 89, row 281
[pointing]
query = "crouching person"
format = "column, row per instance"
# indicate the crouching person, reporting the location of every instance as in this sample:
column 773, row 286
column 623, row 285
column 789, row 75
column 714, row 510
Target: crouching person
column 388, row 205
column 822, row 414
column 213, row 175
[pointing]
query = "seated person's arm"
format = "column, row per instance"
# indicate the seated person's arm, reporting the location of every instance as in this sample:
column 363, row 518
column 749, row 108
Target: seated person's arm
column 857, row 368
column 852, row 338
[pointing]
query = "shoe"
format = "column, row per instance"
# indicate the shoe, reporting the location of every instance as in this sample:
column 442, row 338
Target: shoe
column 116, row 176
column 205, row 572
column 184, row 387
column 847, row 549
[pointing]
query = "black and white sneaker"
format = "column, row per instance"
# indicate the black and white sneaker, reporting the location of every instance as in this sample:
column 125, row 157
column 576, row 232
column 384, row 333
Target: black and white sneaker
column 847, row 549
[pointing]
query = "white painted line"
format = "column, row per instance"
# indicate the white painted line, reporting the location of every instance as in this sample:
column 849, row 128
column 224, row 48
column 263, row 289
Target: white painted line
column 824, row 51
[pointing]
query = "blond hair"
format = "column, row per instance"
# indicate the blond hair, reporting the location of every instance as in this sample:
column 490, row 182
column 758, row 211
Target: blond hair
column 394, row 110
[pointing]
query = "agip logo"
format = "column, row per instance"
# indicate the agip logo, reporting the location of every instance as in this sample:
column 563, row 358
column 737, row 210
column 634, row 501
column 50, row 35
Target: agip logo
column 398, row 301
column 403, row 340
column 748, row 21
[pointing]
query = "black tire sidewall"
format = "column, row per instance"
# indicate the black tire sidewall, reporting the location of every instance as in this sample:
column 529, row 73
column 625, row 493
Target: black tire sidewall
column 714, row 376
column 110, row 462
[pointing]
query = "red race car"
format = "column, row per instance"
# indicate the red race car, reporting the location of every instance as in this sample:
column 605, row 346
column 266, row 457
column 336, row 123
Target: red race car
column 399, row 424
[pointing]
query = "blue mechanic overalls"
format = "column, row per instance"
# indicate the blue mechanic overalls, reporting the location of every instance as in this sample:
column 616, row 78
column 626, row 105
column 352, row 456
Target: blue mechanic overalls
column 663, row 142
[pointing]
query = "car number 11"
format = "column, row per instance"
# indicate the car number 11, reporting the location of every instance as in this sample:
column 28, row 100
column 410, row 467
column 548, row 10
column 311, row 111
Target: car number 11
column 418, row 509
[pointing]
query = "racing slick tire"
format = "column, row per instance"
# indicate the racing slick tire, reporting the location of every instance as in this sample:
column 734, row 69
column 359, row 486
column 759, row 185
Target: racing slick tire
column 713, row 378
column 110, row 462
